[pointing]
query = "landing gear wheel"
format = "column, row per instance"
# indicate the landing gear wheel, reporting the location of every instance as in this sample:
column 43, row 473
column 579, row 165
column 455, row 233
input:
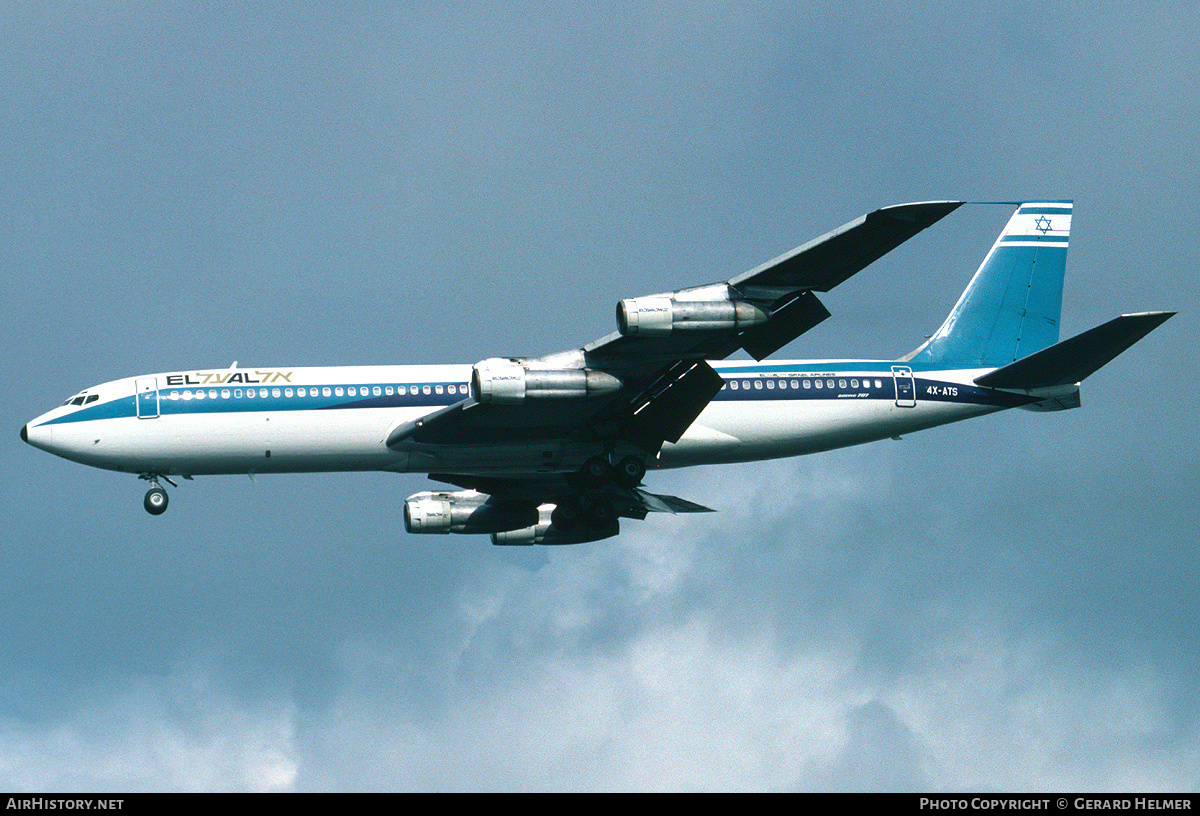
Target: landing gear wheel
column 596, row 470
column 599, row 513
column 630, row 471
column 566, row 514
column 155, row 501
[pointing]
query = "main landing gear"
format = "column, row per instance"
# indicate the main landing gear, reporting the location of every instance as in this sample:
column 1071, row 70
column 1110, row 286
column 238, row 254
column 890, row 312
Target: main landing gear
column 627, row 473
column 156, row 497
column 630, row 471
column 593, row 505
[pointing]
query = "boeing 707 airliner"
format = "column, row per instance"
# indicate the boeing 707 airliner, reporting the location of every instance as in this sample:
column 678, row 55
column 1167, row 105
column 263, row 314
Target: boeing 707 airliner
column 555, row 449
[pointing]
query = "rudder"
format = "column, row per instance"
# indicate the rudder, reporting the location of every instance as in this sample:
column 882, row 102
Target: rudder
column 1013, row 304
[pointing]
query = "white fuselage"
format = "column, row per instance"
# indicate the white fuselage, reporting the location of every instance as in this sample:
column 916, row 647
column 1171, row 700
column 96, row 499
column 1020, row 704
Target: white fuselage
column 338, row 419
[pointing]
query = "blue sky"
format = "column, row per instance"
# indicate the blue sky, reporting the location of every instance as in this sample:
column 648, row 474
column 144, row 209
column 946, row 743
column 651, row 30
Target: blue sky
column 1002, row 604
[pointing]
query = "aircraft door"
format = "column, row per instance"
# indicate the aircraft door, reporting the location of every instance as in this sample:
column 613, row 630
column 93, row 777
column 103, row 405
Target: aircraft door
column 146, row 395
column 906, row 389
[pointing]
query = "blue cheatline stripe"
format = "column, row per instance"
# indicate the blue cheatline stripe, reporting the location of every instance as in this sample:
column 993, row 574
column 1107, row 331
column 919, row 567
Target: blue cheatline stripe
column 127, row 406
column 843, row 388
column 113, row 409
column 808, row 367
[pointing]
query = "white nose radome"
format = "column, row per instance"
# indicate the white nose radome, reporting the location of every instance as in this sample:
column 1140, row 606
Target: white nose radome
column 39, row 435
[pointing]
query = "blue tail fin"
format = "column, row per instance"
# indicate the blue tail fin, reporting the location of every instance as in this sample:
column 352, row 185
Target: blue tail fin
column 1012, row 306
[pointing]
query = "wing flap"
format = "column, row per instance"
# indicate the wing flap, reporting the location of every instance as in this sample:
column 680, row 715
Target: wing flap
column 408, row 429
column 657, row 503
column 788, row 321
column 673, row 403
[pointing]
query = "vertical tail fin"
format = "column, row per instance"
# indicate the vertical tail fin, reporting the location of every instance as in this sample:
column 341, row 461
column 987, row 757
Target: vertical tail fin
column 1012, row 306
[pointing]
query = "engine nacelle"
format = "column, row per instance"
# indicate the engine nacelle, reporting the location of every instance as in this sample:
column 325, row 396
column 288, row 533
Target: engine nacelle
column 662, row 314
column 544, row 532
column 465, row 512
column 508, row 381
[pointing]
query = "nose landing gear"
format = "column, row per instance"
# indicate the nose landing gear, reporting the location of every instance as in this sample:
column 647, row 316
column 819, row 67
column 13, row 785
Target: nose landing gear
column 156, row 497
column 155, row 501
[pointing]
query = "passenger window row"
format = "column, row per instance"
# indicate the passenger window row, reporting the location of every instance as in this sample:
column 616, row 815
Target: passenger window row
column 796, row 383
column 319, row 391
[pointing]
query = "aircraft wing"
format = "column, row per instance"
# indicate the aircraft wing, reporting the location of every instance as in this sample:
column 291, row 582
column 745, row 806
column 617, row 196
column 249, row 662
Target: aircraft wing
column 782, row 288
column 647, row 382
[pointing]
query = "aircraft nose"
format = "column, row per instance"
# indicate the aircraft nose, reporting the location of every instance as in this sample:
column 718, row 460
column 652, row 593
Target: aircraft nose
column 38, row 436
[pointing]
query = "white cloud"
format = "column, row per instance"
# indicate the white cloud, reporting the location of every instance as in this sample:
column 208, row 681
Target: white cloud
column 672, row 708
column 683, row 657
column 682, row 707
column 174, row 733
column 597, row 672
column 994, row 711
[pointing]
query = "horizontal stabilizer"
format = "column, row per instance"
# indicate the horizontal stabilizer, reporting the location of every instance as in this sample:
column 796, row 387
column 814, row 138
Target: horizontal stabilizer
column 1074, row 360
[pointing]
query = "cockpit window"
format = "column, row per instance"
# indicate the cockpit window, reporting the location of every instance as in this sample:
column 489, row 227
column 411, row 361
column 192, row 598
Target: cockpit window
column 81, row 399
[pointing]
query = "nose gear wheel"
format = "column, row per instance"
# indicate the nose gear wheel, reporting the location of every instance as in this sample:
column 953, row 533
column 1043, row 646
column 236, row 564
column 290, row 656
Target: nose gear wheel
column 156, row 499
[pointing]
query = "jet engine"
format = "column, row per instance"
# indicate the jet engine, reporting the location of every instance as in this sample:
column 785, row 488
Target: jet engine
column 544, row 532
column 501, row 380
column 662, row 314
column 465, row 512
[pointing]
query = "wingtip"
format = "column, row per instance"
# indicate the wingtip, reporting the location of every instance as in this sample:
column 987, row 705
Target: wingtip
column 1156, row 317
column 927, row 212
